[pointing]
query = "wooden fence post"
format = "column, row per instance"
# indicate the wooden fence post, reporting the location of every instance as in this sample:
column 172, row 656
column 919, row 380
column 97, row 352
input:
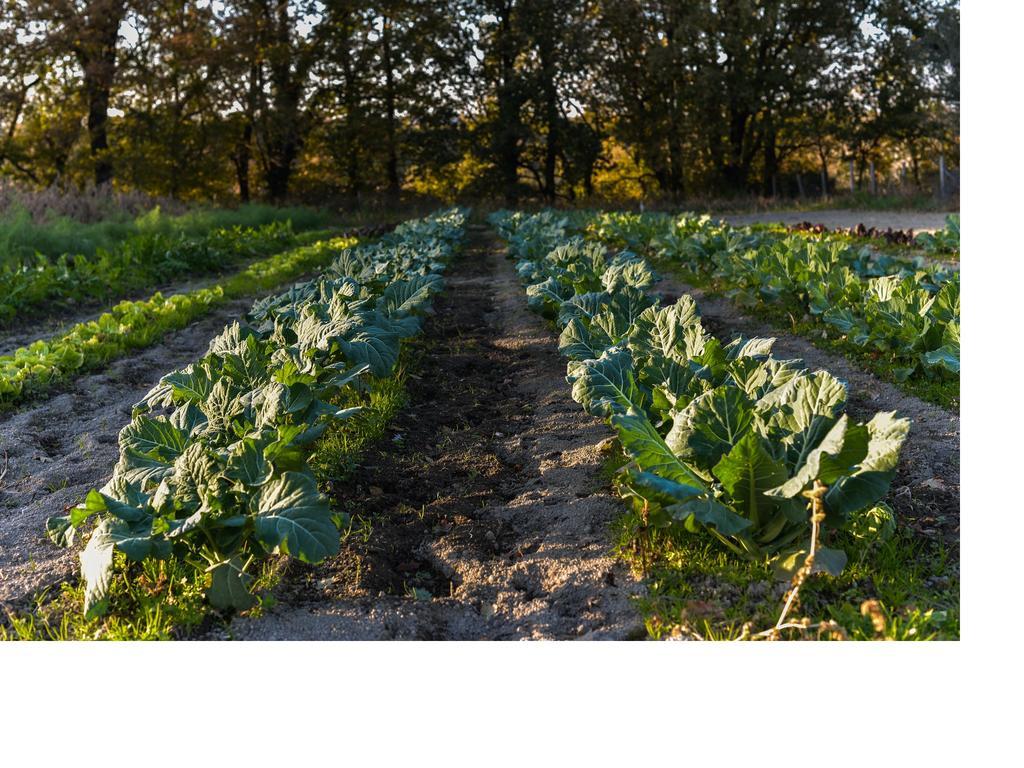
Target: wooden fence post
column 874, row 180
column 942, row 177
column 853, row 185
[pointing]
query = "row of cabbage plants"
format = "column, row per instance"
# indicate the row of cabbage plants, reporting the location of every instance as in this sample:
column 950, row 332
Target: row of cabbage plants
column 903, row 311
column 215, row 465
column 722, row 437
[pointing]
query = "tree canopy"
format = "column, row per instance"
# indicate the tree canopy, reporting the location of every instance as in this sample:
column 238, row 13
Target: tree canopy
column 545, row 99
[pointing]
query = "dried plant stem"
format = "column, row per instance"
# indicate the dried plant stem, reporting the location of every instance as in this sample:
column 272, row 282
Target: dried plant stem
column 817, row 504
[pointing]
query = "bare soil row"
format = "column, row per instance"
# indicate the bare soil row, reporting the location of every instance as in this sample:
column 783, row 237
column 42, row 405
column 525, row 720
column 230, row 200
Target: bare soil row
column 490, row 516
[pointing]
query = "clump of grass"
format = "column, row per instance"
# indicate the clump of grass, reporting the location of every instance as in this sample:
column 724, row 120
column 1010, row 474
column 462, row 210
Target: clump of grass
column 28, row 227
column 152, row 600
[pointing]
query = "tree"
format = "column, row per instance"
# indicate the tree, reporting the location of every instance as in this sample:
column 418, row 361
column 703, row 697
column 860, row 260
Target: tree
column 88, row 29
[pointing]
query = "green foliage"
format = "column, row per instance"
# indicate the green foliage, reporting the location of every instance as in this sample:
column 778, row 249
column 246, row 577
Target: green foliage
column 138, row 263
column 905, row 313
column 215, row 464
column 944, row 242
column 24, row 237
column 131, row 325
column 694, row 587
column 721, row 437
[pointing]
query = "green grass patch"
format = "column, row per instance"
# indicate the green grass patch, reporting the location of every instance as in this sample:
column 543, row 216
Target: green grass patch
column 341, row 449
column 22, row 236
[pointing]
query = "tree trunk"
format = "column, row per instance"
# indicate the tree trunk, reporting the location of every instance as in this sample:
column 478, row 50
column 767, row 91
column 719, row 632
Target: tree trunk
column 824, row 171
column 394, row 189
column 243, row 157
column 97, row 55
column 551, row 147
column 509, row 105
column 243, row 149
column 771, row 163
column 736, row 170
column 284, row 134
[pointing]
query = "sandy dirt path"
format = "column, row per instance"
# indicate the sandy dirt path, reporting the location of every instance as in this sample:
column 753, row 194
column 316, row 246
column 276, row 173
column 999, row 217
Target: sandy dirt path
column 490, row 517
column 926, row 491
column 919, row 221
column 59, row 449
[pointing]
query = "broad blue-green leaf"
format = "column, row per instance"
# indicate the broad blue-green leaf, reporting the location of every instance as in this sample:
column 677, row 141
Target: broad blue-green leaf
column 229, row 586
column 742, row 347
column 946, row 308
column 627, row 305
column 193, row 384
column 97, row 561
column 404, row 296
column 248, row 465
column 129, row 513
column 712, row 513
column 711, row 425
column 195, row 475
column 579, row 341
column 248, row 368
column 582, row 306
column 746, row 472
column 606, row 385
column 141, row 544
column 293, row 518
column 759, row 377
column 838, row 454
column 871, row 481
column 142, row 471
column 664, row 486
column 947, row 356
column 801, row 412
column 549, row 292
column 188, row 418
column 648, row 450
column 372, row 347
column 628, row 272
column 221, row 407
column 343, row 376
column 60, row 530
column 670, row 333
column 155, row 437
